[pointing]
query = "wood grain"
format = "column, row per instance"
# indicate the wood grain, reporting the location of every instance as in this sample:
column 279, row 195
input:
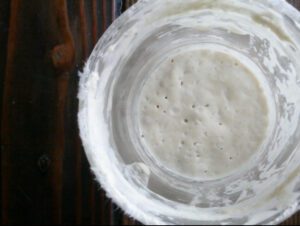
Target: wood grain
column 45, row 176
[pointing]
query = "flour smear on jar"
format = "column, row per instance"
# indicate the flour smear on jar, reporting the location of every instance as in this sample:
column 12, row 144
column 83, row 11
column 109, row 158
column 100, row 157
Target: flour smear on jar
column 203, row 114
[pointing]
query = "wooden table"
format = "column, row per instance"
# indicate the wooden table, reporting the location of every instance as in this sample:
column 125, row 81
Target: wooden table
column 45, row 177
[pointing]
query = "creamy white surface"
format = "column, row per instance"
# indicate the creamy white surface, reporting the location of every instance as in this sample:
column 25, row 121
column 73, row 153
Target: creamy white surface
column 203, row 114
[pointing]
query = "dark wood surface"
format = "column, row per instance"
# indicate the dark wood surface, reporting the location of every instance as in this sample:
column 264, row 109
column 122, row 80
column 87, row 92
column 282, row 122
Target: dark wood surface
column 45, row 177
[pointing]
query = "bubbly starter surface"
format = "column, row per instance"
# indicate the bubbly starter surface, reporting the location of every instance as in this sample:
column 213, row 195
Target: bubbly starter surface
column 203, row 114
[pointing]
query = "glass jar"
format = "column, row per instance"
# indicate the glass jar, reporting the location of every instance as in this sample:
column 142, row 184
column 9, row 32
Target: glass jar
column 265, row 34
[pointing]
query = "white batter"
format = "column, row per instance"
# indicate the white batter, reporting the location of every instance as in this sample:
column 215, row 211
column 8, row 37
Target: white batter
column 203, row 114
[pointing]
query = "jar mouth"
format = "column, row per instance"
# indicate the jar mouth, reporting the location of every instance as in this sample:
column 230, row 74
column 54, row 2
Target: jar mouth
column 263, row 35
